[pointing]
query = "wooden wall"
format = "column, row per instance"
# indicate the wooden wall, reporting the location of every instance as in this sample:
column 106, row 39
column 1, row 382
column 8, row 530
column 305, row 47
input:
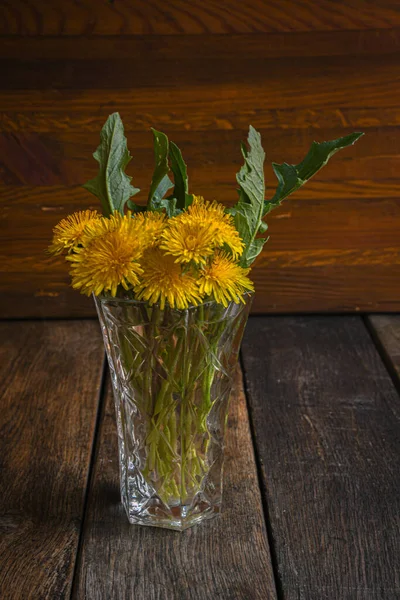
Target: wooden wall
column 201, row 72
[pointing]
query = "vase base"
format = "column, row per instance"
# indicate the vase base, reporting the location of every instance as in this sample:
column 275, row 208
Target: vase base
column 177, row 517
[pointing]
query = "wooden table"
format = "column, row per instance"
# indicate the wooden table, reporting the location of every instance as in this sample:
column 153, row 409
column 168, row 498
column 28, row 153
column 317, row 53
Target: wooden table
column 312, row 503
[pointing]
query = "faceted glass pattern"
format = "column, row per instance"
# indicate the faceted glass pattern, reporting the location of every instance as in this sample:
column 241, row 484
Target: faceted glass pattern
column 172, row 373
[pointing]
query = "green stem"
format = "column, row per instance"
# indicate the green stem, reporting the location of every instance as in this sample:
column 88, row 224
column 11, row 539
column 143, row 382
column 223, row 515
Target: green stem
column 187, row 365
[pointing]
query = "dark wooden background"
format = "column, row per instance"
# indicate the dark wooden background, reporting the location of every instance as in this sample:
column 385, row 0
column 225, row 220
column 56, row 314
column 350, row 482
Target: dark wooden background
column 202, row 71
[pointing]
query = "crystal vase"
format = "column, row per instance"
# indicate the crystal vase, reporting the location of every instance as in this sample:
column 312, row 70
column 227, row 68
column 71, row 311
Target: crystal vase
column 172, row 373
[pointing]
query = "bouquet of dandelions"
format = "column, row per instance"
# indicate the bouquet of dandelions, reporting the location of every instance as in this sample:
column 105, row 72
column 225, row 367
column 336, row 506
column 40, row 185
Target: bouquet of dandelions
column 172, row 289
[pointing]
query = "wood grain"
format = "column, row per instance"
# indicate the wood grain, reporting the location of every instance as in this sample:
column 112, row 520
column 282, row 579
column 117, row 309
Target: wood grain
column 90, row 17
column 341, row 79
column 50, row 374
column 319, row 215
column 306, row 266
column 351, row 288
column 213, row 159
column 40, row 160
column 202, row 73
column 387, row 330
column 222, row 108
column 225, row 558
column 249, row 46
column 327, row 423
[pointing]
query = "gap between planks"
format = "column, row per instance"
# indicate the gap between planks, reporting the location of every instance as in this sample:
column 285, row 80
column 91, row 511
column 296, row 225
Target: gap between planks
column 93, row 453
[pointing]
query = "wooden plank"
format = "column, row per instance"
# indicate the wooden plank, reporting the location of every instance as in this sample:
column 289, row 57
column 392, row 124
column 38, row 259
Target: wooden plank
column 50, row 374
column 222, row 108
column 213, row 158
column 288, row 289
column 307, row 265
column 287, row 81
column 387, row 330
column 30, row 213
column 90, row 17
column 249, row 46
column 225, row 558
column 327, row 423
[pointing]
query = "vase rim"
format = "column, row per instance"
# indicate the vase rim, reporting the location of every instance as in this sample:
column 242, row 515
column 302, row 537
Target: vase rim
column 248, row 296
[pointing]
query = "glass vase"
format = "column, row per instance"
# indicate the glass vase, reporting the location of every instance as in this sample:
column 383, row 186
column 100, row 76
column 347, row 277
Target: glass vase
column 172, row 373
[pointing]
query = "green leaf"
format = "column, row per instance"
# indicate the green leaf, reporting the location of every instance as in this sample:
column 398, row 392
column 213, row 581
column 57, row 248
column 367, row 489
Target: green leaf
column 181, row 187
column 160, row 182
column 135, row 208
column 248, row 211
column 263, row 227
column 170, row 207
column 251, row 206
column 111, row 185
column 292, row 177
column 254, row 250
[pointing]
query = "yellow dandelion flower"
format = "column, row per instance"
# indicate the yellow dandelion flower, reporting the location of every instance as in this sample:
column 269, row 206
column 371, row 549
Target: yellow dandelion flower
column 67, row 234
column 224, row 279
column 226, row 233
column 188, row 241
column 115, row 221
column 152, row 224
column 204, row 210
column 108, row 258
column 164, row 280
column 213, row 214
